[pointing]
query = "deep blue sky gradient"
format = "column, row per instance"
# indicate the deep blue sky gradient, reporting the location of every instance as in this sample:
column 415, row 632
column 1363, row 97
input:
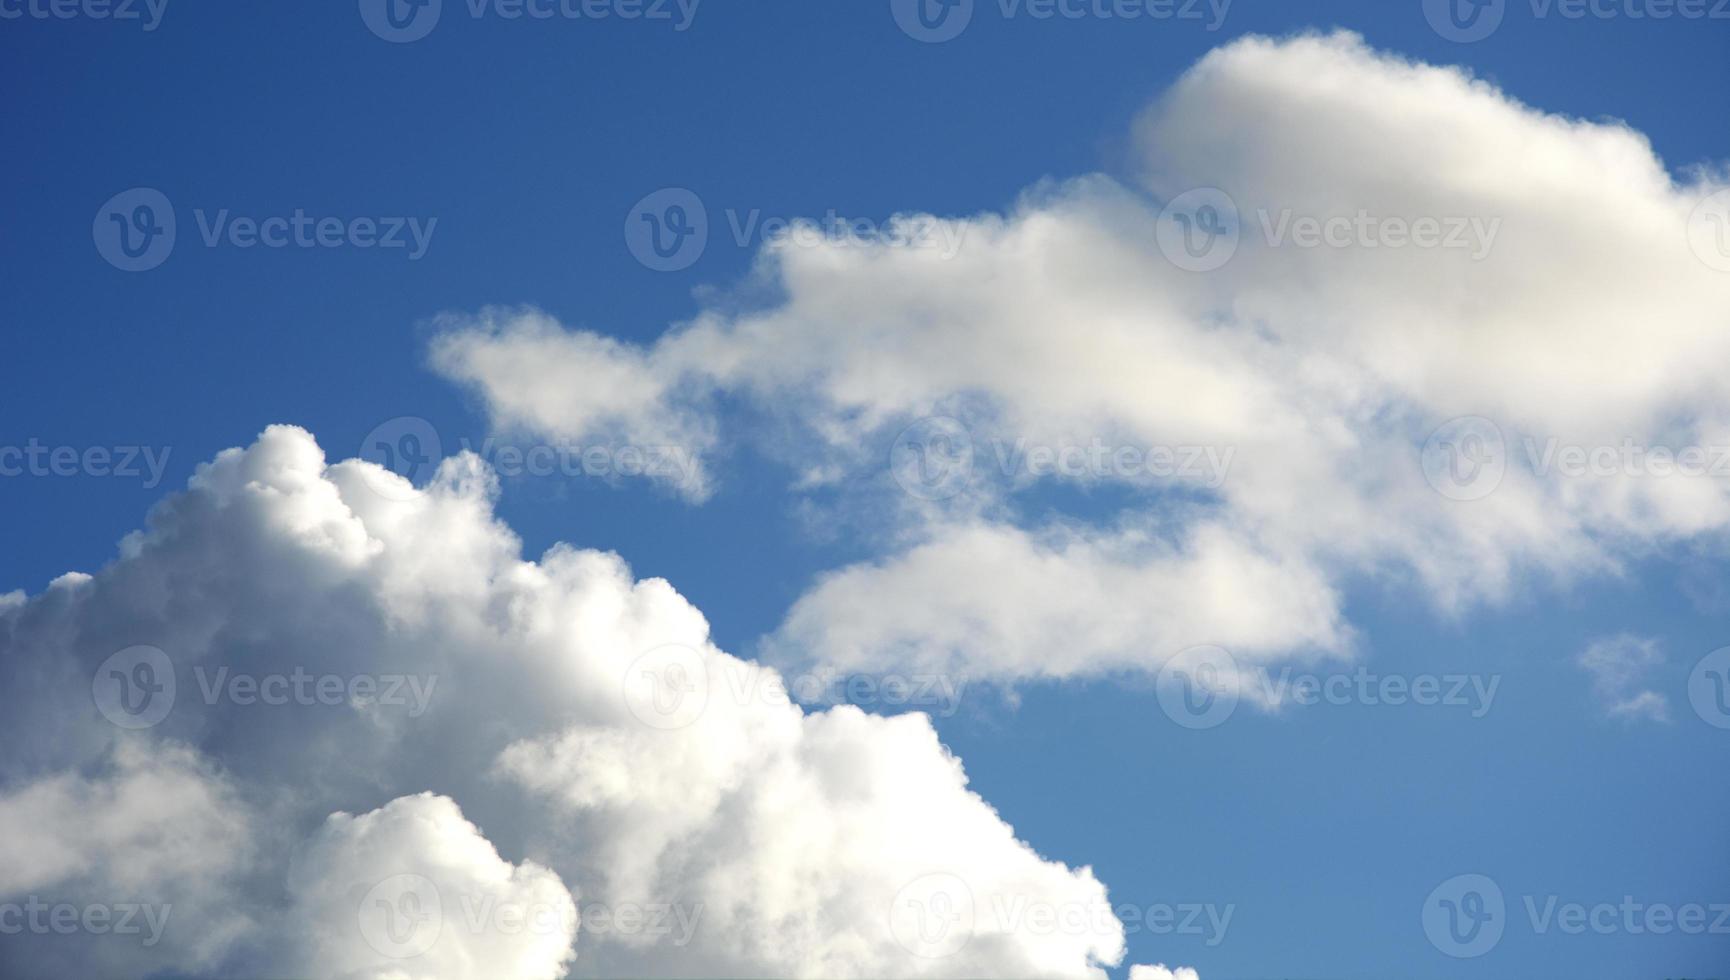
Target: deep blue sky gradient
column 529, row 141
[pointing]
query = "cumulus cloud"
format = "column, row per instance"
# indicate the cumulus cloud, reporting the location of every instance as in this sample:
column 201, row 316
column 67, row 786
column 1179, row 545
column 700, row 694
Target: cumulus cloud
column 318, row 729
column 1619, row 667
column 1474, row 373
column 435, row 900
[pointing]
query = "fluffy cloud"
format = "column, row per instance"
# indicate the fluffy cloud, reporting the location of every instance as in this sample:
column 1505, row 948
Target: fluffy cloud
column 1619, row 666
column 989, row 587
column 436, row 901
column 317, row 729
column 625, row 395
column 1575, row 330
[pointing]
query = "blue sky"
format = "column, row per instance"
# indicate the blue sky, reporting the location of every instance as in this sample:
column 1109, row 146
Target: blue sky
column 1321, row 828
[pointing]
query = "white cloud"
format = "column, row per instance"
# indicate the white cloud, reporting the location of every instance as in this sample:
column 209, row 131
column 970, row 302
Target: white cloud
column 746, row 837
column 1160, row 972
column 1585, row 320
column 580, row 387
column 1619, row 666
column 995, row 602
column 151, row 826
column 435, row 901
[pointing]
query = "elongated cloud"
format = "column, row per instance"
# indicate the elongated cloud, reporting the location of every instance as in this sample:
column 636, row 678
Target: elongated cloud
column 316, row 722
column 1399, row 324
